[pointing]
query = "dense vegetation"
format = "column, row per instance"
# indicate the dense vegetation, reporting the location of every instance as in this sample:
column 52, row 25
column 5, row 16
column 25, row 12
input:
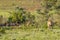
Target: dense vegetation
column 49, row 9
column 33, row 23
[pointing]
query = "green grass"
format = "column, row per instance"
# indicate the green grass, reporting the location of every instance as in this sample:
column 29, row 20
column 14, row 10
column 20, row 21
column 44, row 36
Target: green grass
column 28, row 33
column 4, row 13
column 31, row 34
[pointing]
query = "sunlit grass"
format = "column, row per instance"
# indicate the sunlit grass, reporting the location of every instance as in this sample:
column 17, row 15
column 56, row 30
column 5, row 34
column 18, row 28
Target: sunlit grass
column 4, row 14
column 32, row 34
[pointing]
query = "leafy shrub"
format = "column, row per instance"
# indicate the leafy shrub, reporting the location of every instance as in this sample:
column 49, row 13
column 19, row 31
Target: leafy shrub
column 21, row 16
column 48, row 9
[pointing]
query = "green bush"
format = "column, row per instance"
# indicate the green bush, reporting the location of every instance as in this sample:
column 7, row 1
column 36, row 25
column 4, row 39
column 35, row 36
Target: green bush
column 21, row 16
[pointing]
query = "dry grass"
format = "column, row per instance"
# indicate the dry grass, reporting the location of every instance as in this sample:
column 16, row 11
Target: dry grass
column 11, row 4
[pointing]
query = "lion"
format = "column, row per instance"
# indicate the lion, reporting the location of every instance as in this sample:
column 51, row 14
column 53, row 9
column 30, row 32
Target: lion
column 50, row 23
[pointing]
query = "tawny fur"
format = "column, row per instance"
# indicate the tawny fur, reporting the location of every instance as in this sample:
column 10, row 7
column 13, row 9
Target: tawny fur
column 49, row 23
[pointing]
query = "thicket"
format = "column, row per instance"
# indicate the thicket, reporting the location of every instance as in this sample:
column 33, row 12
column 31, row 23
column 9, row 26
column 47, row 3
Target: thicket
column 21, row 16
column 49, row 9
